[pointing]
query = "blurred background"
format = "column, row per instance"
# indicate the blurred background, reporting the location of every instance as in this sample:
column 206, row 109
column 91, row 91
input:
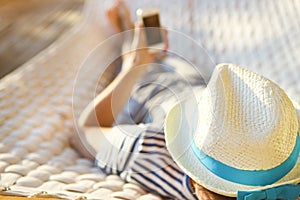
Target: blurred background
column 28, row 27
column 259, row 35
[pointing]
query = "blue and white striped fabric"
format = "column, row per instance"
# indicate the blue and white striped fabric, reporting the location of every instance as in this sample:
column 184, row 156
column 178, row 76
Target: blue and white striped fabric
column 138, row 153
column 155, row 170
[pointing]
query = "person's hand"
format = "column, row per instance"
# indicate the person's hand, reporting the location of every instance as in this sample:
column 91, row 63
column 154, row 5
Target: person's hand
column 140, row 54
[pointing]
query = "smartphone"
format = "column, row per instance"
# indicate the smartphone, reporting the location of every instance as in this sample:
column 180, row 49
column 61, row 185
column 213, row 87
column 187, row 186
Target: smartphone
column 150, row 19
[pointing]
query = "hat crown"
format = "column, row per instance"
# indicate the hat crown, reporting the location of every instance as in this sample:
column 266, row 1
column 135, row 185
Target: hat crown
column 248, row 122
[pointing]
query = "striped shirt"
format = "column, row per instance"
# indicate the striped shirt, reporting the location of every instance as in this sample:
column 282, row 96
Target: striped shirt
column 138, row 153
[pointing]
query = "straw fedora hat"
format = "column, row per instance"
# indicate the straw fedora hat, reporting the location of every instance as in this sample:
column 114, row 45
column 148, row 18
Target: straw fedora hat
column 239, row 137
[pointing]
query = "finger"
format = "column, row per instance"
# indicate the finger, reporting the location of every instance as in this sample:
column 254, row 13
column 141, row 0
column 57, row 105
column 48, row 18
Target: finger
column 160, row 55
column 139, row 38
column 166, row 39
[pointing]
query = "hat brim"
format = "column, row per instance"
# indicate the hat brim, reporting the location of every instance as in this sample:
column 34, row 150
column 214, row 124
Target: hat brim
column 179, row 125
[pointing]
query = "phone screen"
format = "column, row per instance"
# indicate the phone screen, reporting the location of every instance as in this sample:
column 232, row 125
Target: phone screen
column 153, row 34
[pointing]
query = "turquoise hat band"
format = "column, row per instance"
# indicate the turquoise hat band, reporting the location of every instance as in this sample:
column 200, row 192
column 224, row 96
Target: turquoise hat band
column 289, row 191
column 248, row 177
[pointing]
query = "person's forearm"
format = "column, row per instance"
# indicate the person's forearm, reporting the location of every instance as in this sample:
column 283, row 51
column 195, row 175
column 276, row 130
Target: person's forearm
column 107, row 105
column 104, row 109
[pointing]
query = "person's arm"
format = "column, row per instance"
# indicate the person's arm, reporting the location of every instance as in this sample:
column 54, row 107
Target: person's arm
column 103, row 110
column 100, row 114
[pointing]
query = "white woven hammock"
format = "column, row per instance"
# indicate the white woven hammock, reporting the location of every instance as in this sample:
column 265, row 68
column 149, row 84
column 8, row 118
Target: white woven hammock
column 36, row 115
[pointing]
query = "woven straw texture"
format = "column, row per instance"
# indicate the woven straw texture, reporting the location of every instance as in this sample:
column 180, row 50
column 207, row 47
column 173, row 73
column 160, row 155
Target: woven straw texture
column 36, row 100
column 258, row 116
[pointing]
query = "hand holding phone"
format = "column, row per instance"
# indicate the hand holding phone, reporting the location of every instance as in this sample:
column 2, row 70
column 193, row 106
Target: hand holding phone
column 154, row 34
